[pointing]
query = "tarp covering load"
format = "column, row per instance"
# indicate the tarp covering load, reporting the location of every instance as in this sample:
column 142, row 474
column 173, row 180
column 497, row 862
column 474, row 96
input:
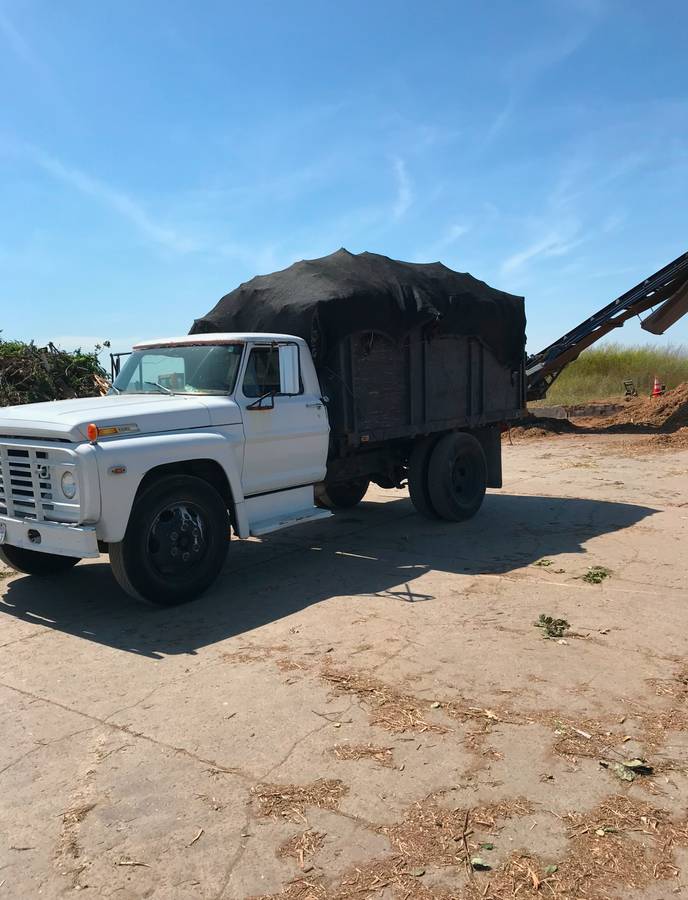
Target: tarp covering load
column 324, row 300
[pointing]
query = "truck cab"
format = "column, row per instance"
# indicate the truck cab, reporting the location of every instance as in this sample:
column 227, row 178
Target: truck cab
column 198, row 436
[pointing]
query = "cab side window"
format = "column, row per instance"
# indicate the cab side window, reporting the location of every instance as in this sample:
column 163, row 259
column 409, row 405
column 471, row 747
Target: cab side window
column 262, row 374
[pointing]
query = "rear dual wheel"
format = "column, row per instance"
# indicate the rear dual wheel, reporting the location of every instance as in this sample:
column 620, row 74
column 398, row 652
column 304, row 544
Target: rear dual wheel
column 448, row 477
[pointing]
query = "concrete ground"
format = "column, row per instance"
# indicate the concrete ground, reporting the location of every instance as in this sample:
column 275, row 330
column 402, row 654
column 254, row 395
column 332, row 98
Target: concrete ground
column 361, row 706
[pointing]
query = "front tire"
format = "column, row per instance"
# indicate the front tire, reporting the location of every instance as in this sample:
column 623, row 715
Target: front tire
column 175, row 544
column 344, row 495
column 457, row 476
column 33, row 562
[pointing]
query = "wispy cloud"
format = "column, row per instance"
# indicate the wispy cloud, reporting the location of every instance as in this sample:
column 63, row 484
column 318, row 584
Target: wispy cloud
column 444, row 244
column 532, row 63
column 114, row 199
column 17, row 43
column 32, row 60
column 552, row 244
column 404, row 194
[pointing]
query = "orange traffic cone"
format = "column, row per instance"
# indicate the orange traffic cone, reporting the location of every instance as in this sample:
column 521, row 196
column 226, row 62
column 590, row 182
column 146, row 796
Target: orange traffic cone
column 657, row 388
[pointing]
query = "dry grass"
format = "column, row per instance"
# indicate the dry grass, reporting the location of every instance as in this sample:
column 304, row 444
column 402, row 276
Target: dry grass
column 387, row 706
column 366, row 881
column 431, row 835
column 302, row 846
column 290, row 665
column 254, row 653
column 382, row 755
column 397, row 711
column 676, row 687
column 289, row 801
column 622, row 845
column 438, row 835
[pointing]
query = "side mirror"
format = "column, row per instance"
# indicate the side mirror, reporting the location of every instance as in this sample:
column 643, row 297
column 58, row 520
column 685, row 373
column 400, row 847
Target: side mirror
column 290, row 382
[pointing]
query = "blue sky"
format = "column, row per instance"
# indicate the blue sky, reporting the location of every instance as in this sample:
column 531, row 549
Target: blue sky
column 154, row 155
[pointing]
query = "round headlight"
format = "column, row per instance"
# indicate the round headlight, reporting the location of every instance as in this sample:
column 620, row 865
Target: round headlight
column 68, row 485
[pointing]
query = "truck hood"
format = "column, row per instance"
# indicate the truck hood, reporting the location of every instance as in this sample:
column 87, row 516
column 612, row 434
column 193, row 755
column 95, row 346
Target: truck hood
column 152, row 413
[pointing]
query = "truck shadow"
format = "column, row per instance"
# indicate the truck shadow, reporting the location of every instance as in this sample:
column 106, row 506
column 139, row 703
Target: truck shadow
column 374, row 552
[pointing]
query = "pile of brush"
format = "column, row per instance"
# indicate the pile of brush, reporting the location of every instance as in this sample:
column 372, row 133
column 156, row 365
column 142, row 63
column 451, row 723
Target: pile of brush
column 29, row 374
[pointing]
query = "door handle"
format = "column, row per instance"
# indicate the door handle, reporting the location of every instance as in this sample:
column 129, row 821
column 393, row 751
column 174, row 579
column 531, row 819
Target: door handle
column 314, row 405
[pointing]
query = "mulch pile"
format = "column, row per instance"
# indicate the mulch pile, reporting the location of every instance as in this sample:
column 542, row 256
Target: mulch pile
column 664, row 419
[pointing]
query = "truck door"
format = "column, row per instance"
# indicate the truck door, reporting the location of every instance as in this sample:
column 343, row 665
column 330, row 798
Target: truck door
column 286, row 435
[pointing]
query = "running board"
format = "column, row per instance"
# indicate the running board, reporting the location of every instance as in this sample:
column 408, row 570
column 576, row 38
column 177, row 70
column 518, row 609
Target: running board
column 282, row 509
column 300, row 518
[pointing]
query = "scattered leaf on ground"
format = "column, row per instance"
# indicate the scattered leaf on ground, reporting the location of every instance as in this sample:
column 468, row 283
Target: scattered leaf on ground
column 596, row 574
column 478, row 863
column 553, row 628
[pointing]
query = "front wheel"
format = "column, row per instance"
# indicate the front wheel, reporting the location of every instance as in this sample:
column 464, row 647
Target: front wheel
column 344, row 495
column 175, row 544
column 33, row 562
column 457, row 476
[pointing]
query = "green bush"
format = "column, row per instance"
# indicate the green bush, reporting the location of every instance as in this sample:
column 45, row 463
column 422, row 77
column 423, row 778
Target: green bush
column 599, row 374
column 29, row 374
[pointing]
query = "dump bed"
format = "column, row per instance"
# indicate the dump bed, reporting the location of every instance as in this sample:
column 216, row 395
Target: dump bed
column 380, row 389
column 401, row 348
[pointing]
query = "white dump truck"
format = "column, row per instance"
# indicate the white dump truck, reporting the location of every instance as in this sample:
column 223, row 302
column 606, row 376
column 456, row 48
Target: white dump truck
column 247, row 432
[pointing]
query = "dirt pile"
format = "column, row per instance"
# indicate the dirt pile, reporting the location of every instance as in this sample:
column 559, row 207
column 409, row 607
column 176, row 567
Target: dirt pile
column 667, row 412
column 666, row 417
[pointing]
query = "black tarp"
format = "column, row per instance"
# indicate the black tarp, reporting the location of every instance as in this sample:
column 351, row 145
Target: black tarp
column 323, row 300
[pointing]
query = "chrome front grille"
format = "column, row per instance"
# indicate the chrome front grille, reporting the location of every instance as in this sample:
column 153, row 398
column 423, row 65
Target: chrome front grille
column 29, row 480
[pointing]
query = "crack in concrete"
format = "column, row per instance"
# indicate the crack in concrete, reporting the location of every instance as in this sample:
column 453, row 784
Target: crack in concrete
column 236, row 858
column 41, row 745
column 27, row 637
column 125, row 729
column 295, row 744
column 137, row 703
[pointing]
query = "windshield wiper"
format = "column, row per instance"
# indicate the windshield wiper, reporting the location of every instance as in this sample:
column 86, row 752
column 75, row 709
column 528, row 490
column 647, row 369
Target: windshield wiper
column 160, row 387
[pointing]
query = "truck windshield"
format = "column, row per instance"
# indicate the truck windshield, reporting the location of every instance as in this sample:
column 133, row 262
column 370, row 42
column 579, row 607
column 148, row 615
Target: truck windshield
column 200, row 369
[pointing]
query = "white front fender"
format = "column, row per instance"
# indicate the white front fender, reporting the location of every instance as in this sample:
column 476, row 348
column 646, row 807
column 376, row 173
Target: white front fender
column 139, row 454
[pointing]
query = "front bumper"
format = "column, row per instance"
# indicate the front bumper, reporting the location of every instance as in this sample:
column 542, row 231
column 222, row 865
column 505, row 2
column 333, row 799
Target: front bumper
column 50, row 537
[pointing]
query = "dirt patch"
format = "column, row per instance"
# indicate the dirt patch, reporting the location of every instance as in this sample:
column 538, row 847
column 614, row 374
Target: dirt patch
column 676, row 440
column 289, row 801
column 381, row 755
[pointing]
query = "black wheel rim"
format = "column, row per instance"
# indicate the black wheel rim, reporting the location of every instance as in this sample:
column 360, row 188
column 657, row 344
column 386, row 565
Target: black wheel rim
column 178, row 540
